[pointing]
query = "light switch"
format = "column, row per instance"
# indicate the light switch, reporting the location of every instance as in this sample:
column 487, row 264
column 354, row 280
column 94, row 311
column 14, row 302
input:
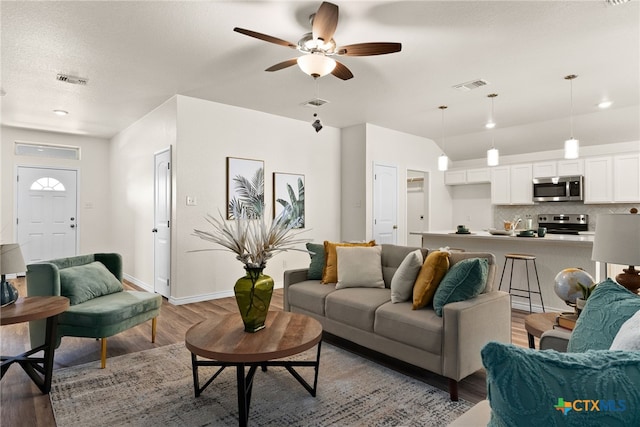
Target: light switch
column 191, row 201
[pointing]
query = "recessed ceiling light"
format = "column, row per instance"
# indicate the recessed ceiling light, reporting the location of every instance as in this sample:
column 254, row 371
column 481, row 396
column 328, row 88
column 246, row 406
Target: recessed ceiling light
column 605, row 104
column 490, row 125
column 60, row 112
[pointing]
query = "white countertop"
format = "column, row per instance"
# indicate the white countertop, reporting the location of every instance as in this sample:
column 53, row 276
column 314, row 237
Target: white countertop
column 586, row 237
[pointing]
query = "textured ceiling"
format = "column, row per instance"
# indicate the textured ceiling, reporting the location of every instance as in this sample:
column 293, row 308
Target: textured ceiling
column 136, row 55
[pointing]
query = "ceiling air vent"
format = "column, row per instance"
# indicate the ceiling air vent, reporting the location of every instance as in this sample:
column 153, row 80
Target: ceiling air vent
column 473, row 84
column 74, row 80
column 314, row 103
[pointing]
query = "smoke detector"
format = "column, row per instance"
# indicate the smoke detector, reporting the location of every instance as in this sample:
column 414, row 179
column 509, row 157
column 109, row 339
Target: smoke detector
column 314, row 103
column 473, row 84
column 74, row 80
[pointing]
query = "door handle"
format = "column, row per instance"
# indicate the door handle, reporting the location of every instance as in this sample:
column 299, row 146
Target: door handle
column 395, row 227
column 155, row 230
column 72, row 226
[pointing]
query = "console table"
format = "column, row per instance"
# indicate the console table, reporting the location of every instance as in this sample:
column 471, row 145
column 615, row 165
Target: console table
column 39, row 369
column 223, row 340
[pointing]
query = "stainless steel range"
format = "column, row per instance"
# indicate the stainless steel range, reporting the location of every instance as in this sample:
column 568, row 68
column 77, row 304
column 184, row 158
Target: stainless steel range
column 564, row 223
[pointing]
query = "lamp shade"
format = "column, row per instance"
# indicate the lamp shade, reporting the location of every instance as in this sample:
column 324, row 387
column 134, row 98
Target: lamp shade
column 11, row 261
column 571, row 148
column 443, row 163
column 316, row 64
column 493, row 157
column 617, row 239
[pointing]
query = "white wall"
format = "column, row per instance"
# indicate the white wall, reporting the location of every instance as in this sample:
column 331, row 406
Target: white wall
column 93, row 184
column 472, row 206
column 208, row 133
column 353, row 161
column 132, row 179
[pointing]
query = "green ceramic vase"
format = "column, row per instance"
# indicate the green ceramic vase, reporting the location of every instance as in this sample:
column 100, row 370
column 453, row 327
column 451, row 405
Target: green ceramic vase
column 253, row 296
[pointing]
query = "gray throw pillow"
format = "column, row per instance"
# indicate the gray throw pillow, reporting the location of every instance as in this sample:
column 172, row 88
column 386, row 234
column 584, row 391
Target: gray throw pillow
column 359, row 267
column 405, row 276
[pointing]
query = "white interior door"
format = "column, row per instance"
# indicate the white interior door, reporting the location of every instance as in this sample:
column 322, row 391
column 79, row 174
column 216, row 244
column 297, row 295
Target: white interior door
column 162, row 223
column 46, row 213
column 385, row 204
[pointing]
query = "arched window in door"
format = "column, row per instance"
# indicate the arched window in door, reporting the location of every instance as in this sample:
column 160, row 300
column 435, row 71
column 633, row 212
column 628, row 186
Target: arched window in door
column 47, row 184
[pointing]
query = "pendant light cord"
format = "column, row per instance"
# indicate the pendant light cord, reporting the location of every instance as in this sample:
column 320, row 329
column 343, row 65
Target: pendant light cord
column 571, row 111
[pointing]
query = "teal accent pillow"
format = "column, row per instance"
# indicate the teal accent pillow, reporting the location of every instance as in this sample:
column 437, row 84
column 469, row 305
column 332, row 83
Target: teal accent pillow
column 608, row 307
column 527, row 387
column 464, row 280
column 85, row 282
column 316, row 252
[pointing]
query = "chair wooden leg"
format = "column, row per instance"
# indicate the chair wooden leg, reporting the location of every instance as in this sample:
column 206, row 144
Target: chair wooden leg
column 154, row 324
column 103, row 353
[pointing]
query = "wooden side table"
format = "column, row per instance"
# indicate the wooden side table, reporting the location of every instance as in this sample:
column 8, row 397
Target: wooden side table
column 224, row 340
column 25, row 310
column 538, row 323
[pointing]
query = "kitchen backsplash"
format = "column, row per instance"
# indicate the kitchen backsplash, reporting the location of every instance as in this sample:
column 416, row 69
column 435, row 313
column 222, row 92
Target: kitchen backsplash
column 501, row 213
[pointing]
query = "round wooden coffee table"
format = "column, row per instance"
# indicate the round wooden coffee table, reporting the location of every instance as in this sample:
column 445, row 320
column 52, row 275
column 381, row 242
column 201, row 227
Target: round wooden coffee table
column 224, row 342
column 25, row 310
column 538, row 323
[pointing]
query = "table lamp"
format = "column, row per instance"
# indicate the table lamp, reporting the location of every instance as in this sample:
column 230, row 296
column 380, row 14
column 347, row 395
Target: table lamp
column 617, row 241
column 11, row 262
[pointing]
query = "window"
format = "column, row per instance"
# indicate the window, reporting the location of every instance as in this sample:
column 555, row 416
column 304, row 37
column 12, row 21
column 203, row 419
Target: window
column 47, row 184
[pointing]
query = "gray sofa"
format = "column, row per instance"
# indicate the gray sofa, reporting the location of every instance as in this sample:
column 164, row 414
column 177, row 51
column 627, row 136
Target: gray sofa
column 449, row 345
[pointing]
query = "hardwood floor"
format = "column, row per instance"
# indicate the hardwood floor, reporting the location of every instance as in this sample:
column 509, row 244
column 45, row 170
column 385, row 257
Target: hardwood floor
column 22, row 404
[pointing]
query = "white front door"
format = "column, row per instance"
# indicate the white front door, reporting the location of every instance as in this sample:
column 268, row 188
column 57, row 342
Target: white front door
column 162, row 223
column 385, row 202
column 46, row 213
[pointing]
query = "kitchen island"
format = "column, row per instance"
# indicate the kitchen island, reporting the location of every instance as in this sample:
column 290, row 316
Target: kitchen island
column 554, row 252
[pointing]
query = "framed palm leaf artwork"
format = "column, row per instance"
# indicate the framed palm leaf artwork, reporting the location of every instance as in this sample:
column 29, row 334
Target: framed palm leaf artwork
column 245, row 188
column 288, row 193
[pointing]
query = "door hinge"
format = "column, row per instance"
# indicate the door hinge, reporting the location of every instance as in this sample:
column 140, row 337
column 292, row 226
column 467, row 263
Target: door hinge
column 17, row 220
column 168, row 165
column 168, row 224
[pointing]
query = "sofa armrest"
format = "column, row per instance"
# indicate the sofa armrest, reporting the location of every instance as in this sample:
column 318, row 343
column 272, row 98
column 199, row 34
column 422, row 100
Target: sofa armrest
column 112, row 261
column 468, row 326
column 291, row 277
column 43, row 279
column 555, row 339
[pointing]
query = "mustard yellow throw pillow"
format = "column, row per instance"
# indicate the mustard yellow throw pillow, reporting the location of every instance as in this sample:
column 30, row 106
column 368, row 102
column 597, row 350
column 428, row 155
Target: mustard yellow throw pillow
column 330, row 271
column 433, row 270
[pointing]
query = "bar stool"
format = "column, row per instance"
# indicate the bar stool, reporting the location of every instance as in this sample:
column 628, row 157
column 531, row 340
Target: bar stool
column 526, row 258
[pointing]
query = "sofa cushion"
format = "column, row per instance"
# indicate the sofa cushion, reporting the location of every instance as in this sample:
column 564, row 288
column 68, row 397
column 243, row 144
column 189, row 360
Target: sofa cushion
column 84, row 282
column 309, row 295
column 465, row 280
column 110, row 309
column 608, row 307
column 356, row 306
column 316, row 252
column 433, row 270
column 359, row 267
column 330, row 271
column 392, row 257
column 529, row 387
column 405, row 276
column 628, row 337
column 417, row 328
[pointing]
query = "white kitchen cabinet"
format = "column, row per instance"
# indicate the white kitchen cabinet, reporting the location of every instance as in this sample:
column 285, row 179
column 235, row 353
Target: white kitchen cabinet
column 455, row 177
column 626, row 178
column 598, row 180
column 570, row 167
column 478, row 176
column 512, row 185
column 545, row 169
column 467, row 176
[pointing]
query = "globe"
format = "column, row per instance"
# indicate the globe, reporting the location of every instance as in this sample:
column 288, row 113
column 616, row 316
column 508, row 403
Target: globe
column 566, row 284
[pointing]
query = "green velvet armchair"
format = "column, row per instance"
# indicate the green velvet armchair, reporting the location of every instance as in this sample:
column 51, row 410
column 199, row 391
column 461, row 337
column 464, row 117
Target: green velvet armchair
column 100, row 307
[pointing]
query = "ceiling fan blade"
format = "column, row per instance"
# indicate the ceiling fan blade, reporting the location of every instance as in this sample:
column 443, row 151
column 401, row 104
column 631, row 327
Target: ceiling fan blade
column 325, row 21
column 265, row 37
column 283, row 64
column 342, row 72
column 368, row 49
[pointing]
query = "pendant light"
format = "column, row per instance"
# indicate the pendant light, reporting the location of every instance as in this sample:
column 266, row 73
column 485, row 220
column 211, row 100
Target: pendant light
column 443, row 160
column 571, row 145
column 493, row 155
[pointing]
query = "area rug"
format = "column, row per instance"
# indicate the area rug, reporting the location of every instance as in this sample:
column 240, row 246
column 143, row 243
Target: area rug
column 155, row 388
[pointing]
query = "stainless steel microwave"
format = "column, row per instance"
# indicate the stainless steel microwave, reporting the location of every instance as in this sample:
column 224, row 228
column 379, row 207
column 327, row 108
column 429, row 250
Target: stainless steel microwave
column 558, row 189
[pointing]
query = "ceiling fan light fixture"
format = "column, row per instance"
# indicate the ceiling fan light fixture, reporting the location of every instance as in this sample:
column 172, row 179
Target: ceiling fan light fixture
column 316, row 64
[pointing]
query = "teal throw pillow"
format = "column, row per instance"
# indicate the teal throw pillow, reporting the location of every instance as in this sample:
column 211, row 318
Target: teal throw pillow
column 84, row 282
column 316, row 252
column 464, row 280
column 608, row 307
column 527, row 387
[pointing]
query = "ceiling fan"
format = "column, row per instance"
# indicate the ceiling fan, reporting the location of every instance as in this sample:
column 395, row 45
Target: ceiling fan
column 319, row 47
